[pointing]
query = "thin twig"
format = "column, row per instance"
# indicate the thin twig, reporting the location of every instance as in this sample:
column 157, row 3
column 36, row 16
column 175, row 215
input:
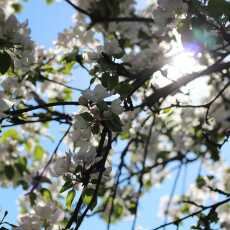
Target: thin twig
column 49, row 161
column 78, row 8
column 172, row 193
column 118, row 174
column 146, row 147
column 176, row 222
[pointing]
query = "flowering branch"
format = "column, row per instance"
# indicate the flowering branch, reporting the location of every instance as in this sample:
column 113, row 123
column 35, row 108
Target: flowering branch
column 178, row 221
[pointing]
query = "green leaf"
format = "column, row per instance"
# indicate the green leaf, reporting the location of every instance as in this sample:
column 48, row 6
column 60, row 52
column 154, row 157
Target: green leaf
column 217, row 8
column 49, row 2
column 89, row 191
column 87, row 199
column 28, row 145
column 21, row 164
column 125, row 135
column 185, row 209
column 66, row 186
column 24, row 184
column 86, row 116
column 33, row 198
column 167, row 110
column 9, row 171
column 67, row 94
column 200, row 182
column 70, row 198
column 71, row 57
column 119, row 55
column 38, row 152
column 112, row 82
column 17, row 7
column 102, row 106
column 123, row 89
column 67, row 68
column 114, row 123
column 132, row 207
column 11, row 133
column 104, row 79
column 5, row 62
column 46, row 194
column 119, row 210
column 108, row 81
column 93, row 204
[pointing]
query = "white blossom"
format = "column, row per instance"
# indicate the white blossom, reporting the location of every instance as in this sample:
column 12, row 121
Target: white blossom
column 60, row 166
column 99, row 93
column 86, row 154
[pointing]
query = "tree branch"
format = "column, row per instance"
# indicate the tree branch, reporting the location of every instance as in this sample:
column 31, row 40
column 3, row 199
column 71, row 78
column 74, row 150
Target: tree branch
column 171, row 88
column 176, row 222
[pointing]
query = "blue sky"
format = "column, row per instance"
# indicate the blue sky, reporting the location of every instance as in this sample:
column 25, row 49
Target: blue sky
column 45, row 22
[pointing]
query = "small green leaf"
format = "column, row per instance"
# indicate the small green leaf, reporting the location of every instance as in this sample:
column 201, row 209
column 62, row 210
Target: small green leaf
column 104, row 79
column 112, row 82
column 119, row 55
column 49, row 1
column 11, row 133
column 87, row 199
column 38, row 152
column 46, row 194
column 123, row 89
column 132, row 207
column 28, row 145
column 185, row 209
column 70, row 198
column 102, row 106
column 21, row 164
column 67, row 94
column 33, row 198
column 124, row 135
column 67, row 68
column 66, row 186
column 114, row 123
column 93, row 204
column 89, row 191
column 9, row 171
column 5, row 62
column 17, row 7
column 24, row 184
column 167, row 110
column 217, row 8
column 200, row 182
column 119, row 210
column 86, row 116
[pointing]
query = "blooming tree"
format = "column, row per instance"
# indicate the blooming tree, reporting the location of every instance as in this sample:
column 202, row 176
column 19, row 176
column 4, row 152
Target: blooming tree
column 160, row 88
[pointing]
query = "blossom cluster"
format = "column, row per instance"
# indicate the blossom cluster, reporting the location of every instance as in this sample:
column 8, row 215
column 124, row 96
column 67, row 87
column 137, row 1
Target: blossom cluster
column 44, row 215
column 15, row 37
column 84, row 137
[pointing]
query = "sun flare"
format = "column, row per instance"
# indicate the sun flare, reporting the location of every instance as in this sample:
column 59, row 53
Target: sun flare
column 182, row 63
